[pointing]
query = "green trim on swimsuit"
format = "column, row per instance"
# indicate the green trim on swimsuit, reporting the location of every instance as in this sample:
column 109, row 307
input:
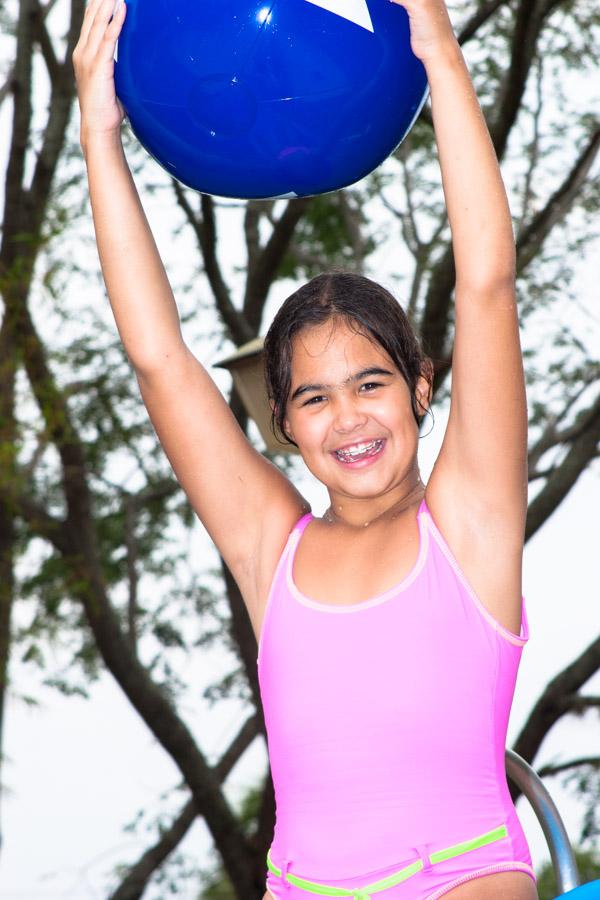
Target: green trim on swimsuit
column 363, row 893
column 358, row 893
column 488, row 838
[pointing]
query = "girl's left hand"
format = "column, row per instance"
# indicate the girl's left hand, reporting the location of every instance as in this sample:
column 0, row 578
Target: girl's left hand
column 431, row 31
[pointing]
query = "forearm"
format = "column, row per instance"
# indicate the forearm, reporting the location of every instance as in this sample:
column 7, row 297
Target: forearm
column 136, row 281
column 478, row 211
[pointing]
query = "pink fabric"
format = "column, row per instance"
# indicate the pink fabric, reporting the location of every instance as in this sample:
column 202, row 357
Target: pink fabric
column 386, row 724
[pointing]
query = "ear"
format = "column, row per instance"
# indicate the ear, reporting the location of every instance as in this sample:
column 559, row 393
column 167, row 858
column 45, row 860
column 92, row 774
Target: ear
column 287, row 431
column 424, row 385
column 287, row 428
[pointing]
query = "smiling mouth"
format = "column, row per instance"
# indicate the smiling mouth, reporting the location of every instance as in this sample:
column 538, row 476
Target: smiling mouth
column 359, row 451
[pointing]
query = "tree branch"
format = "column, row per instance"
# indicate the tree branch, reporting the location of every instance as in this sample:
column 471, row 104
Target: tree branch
column 533, row 235
column 251, row 230
column 8, row 532
column 571, row 764
column 24, row 217
column 584, row 448
column 243, row 634
column 135, row 882
column 205, row 230
column 61, row 103
column 479, row 18
column 88, row 586
column 53, row 530
column 434, row 326
column 550, row 706
column 435, row 320
column 132, row 574
column 409, row 220
column 528, row 25
column 21, row 124
column 534, row 146
column 261, row 275
column 580, row 703
column 41, row 522
column 552, row 436
column 6, row 88
column 352, row 224
column 52, row 64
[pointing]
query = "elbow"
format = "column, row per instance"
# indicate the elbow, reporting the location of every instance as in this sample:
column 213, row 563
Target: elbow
column 152, row 362
column 492, row 277
column 497, row 290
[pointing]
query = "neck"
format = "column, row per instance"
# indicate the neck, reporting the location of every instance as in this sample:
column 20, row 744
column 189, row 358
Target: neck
column 356, row 512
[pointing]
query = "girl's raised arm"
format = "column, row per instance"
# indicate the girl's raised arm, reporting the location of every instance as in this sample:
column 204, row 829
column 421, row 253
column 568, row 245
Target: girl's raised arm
column 478, row 489
column 246, row 504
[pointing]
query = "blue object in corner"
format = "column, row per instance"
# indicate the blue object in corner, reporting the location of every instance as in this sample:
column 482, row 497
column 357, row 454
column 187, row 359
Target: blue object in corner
column 590, row 891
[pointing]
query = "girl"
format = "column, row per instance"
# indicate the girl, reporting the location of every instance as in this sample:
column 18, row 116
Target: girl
column 390, row 630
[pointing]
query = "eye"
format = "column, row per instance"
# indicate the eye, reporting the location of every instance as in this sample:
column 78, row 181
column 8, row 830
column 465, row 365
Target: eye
column 312, row 401
column 370, row 386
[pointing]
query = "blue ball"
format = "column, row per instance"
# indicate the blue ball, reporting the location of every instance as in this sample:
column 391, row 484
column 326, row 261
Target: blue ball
column 268, row 98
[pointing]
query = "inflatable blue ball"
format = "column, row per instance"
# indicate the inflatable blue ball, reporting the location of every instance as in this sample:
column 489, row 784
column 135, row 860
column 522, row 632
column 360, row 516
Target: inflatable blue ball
column 268, row 98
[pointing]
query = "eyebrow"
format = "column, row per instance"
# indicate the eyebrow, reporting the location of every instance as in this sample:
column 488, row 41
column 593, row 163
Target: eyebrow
column 364, row 373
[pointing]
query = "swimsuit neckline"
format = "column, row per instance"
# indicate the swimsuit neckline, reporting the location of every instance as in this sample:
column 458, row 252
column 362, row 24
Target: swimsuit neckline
column 374, row 600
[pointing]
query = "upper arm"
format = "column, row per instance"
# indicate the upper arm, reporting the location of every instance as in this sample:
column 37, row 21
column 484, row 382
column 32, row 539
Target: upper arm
column 485, row 445
column 241, row 498
column 478, row 487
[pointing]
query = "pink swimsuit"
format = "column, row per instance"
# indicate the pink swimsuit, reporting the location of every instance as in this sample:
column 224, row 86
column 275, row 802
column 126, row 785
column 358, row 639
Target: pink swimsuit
column 386, row 724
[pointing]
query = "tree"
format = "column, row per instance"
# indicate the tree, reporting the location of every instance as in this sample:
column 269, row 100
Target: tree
column 87, row 502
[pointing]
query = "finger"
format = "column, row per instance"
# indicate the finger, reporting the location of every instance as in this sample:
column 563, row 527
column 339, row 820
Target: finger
column 88, row 21
column 111, row 35
column 102, row 18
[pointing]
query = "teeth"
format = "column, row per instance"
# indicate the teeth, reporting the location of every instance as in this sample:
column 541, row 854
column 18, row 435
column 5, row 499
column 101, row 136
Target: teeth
column 358, row 450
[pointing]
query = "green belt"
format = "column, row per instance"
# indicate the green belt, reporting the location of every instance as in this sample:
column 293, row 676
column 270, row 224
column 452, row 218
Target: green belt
column 364, row 893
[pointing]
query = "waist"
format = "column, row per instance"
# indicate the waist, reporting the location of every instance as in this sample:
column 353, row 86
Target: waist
column 424, row 856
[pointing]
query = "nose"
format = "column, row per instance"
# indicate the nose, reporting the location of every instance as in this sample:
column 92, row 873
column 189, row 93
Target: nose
column 349, row 415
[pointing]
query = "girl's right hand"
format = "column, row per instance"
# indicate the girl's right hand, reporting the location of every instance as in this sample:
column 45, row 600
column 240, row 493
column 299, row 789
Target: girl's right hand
column 93, row 61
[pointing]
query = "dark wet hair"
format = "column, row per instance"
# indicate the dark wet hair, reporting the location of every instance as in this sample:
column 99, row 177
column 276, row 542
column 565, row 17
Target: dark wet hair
column 361, row 303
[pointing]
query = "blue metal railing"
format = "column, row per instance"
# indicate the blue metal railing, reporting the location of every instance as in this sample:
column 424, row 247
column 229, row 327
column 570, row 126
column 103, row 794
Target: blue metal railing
column 561, row 852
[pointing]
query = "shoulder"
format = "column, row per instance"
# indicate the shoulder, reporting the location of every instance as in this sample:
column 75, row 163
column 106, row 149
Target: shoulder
column 275, row 531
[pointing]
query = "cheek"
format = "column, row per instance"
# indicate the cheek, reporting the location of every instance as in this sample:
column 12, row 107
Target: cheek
column 308, row 431
column 398, row 417
column 393, row 411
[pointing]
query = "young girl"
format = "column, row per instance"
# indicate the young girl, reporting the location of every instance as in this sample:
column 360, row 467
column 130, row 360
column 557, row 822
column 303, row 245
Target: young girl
column 390, row 630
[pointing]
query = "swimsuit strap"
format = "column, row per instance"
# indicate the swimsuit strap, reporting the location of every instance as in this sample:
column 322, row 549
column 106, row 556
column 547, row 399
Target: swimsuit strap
column 302, row 522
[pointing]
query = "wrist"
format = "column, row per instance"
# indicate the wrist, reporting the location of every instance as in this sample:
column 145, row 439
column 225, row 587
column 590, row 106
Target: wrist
column 445, row 55
column 99, row 141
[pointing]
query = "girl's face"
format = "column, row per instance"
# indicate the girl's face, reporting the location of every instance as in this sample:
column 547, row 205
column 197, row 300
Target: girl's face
column 349, row 410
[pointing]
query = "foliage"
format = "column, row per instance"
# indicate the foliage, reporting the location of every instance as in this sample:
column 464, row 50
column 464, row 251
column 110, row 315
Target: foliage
column 588, row 866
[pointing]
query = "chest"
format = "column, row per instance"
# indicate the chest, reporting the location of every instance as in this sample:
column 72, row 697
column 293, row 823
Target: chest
column 402, row 657
column 333, row 567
